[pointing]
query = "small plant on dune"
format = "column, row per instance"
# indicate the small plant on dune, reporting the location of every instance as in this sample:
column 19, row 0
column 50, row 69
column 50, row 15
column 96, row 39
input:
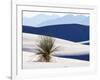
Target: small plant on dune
column 45, row 48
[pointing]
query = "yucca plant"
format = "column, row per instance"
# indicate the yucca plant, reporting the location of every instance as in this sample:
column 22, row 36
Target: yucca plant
column 45, row 48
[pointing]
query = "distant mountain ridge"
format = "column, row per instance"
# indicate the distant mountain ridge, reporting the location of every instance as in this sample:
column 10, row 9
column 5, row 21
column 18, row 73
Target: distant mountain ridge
column 35, row 20
column 44, row 19
column 67, row 19
column 72, row 32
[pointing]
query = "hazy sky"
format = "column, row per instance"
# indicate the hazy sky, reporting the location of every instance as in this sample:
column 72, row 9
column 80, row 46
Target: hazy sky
column 39, row 19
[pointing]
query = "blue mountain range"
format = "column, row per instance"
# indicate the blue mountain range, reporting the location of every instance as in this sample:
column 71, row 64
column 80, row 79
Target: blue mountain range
column 72, row 32
column 67, row 19
column 45, row 19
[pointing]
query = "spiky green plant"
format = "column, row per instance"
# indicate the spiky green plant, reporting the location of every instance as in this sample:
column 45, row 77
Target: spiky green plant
column 46, row 46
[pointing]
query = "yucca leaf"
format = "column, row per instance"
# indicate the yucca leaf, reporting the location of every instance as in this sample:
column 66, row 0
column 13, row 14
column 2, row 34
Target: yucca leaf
column 45, row 47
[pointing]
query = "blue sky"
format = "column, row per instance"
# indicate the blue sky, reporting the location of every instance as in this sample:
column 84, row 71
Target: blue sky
column 39, row 19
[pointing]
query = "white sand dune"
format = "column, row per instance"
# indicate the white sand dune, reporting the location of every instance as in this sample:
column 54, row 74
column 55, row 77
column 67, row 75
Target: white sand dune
column 65, row 47
column 56, row 62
